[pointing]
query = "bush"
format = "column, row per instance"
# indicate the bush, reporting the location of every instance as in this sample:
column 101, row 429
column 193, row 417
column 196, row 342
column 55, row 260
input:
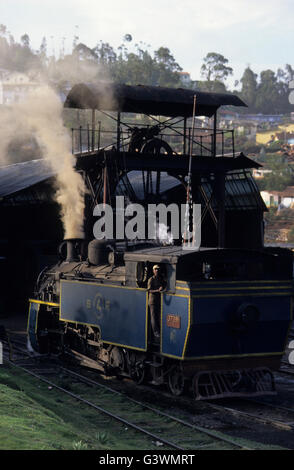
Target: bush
column 274, row 146
column 250, row 147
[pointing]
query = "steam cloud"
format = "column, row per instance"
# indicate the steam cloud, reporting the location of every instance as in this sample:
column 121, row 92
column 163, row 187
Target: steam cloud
column 164, row 235
column 40, row 116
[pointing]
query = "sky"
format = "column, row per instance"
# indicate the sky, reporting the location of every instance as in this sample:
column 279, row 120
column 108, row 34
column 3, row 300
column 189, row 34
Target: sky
column 247, row 32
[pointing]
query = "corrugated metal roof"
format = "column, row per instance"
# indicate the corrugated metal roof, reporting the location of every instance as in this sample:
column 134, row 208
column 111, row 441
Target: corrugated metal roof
column 18, row 176
column 136, row 180
column 241, row 192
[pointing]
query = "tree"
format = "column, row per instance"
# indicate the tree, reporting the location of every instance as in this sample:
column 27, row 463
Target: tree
column 284, row 78
column 164, row 57
column 3, row 30
column 43, row 46
column 136, row 68
column 84, row 53
column 268, row 97
column 4, row 53
column 280, row 177
column 43, row 50
column 105, row 53
column 140, row 67
column 166, row 67
column 287, row 75
column 25, row 39
column 249, row 88
column 214, row 67
column 211, row 86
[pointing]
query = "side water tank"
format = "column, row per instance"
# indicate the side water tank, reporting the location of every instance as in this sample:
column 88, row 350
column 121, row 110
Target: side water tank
column 98, row 251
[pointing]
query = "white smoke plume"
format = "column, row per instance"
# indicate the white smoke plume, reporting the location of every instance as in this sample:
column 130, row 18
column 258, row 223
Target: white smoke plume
column 39, row 115
column 164, row 235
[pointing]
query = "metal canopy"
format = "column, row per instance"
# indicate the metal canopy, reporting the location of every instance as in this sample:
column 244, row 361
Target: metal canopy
column 170, row 163
column 159, row 101
column 19, row 176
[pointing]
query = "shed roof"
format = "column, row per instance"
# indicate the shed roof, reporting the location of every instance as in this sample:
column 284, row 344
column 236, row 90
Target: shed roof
column 144, row 99
column 18, row 176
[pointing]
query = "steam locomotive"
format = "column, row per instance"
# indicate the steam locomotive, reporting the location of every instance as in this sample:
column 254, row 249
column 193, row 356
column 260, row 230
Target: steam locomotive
column 225, row 315
column 226, row 308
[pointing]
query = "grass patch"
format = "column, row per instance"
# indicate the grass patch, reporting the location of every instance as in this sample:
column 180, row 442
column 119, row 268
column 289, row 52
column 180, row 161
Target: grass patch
column 34, row 417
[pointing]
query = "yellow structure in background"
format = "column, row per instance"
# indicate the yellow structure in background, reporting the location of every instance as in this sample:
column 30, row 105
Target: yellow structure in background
column 265, row 137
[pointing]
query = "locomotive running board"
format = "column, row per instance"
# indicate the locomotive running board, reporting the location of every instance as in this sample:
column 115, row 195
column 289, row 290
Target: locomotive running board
column 235, row 383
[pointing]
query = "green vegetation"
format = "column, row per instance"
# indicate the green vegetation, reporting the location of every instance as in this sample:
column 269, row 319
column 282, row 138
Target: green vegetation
column 281, row 176
column 136, row 64
column 215, row 71
column 37, row 417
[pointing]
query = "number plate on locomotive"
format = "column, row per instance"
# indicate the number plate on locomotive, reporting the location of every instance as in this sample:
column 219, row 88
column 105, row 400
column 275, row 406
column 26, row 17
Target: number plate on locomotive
column 173, row 321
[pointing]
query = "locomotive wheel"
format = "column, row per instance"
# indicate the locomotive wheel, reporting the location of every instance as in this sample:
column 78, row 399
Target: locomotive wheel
column 176, row 381
column 136, row 368
column 138, row 373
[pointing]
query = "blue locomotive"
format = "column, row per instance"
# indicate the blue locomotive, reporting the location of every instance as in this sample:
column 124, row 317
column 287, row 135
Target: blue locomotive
column 226, row 308
column 225, row 315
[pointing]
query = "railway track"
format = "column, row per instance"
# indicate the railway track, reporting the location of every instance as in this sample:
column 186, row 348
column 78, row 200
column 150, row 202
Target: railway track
column 156, row 411
column 259, row 414
column 40, row 377
column 282, row 416
column 185, row 434
column 243, row 409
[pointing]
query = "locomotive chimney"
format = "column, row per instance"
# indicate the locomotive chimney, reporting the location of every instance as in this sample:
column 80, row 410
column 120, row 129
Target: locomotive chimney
column 73, row 249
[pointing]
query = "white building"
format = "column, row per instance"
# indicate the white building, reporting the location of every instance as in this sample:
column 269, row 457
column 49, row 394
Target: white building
column 185, row 78
column 14, row 86
column 279, row 198
column 259, row 173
